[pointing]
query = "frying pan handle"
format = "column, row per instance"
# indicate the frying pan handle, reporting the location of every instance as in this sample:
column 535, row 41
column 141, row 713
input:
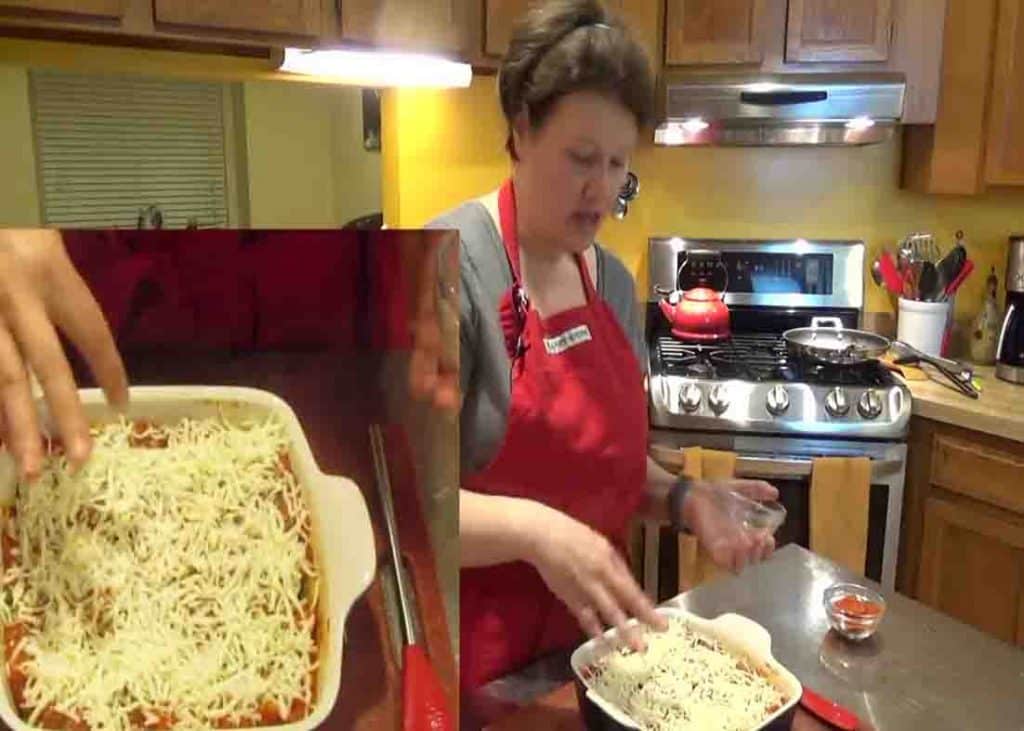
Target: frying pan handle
column 827, row 322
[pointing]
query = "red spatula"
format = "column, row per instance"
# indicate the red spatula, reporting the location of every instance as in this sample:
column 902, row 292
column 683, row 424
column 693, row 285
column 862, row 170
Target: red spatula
column 829, row 711
column 424, row 704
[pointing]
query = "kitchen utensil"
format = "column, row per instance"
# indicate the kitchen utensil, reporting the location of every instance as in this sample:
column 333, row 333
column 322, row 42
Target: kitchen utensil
column 827, row 341
column 950, row 265
column 953, row 286
column 341, row 530
column 876, row 272
column 928, row 283
column 1010, row 349
column 699, row 314
column 889, row 273
column 854, row 623
column 961, row 378
column 630, row 190
column 738, row 634
column 985, row 327
column 922, row 247
column 912, row 279
column 829, row 711
column 424, row 705
column 963, row 371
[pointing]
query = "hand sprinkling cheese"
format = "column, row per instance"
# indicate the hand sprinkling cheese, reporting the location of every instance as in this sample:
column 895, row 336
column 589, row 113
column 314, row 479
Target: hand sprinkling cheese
column 169, row 581
column 686, row 681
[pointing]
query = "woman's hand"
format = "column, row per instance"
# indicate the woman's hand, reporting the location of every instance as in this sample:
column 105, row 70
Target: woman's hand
column 706, row 512
column 40, row 291
column 585, row 572
column 434, row 365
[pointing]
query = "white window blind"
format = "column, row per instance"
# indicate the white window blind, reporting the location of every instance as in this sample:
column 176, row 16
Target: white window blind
column 110, row 147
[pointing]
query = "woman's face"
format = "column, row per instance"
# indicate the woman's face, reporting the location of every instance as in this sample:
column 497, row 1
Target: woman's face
column 571, row 168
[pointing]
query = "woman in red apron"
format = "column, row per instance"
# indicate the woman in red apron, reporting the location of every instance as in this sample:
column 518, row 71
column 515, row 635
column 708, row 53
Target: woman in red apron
column 543, row 523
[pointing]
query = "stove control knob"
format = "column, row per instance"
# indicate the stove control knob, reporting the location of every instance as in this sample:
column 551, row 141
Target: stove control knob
column 689, row 397
column 870, row 404
column 719, row 398
column 777, row 400
column 836, row 403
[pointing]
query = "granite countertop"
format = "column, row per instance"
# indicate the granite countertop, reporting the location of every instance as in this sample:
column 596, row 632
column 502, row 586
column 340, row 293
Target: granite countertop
column 999, row 410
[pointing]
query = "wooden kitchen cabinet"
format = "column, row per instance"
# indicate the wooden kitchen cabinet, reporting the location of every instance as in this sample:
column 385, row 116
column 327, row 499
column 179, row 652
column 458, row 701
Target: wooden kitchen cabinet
column 962, row 550
column 1005, row 148
column 73, row 8
column 977, row 139
column 713, row 32
column 839, row 30
column 500, row 17
column 289, row 17
column 419, row 25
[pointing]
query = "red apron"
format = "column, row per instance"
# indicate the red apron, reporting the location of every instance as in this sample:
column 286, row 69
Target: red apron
column 576, row 440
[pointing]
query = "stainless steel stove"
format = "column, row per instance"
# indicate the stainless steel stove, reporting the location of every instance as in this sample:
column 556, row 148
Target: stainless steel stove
column 747, row 394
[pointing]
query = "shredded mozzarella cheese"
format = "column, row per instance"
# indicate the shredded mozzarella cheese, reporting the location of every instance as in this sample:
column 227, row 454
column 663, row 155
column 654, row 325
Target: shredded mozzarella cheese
column 175, row 580
column 686, row 681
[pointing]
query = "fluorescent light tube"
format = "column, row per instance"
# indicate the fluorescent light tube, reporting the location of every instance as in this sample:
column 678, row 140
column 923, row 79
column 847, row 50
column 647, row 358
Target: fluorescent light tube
column 377, row 69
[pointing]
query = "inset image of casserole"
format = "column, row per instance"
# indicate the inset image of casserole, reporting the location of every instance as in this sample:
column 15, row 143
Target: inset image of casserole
column 197, row 572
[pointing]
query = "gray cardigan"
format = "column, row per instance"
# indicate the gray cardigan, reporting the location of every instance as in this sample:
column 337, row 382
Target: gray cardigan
column 485, row 369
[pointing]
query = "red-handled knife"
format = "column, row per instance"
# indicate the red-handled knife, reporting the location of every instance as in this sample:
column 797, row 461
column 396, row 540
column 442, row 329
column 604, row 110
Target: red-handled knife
column 424, row 703
column 829, row 711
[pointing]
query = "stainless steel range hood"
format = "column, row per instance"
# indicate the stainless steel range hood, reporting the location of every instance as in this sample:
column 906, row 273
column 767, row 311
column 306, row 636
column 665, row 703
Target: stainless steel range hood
column 784, row 109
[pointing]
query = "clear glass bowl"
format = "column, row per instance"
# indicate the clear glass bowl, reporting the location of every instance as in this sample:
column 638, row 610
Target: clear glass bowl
column 755, row 515
column 854, row 622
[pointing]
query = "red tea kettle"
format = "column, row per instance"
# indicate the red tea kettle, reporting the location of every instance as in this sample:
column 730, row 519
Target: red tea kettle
column 699, row 314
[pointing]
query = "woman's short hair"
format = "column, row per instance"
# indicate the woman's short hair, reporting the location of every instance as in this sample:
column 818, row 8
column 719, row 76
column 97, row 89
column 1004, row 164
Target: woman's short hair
column 564, row 46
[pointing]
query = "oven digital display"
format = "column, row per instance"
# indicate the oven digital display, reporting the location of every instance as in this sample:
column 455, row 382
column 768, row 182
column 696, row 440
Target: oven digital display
column 759, row 272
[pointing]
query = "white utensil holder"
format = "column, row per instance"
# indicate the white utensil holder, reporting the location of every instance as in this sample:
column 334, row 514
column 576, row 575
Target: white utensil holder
column 923, row 325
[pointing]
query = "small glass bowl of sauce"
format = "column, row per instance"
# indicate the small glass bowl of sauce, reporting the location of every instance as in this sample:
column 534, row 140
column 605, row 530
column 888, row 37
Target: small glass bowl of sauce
column 853, row 610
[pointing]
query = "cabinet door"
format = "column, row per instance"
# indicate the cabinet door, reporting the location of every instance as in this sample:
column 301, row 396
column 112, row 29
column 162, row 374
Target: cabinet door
column 290, row 17
column 1005, row 150
column 973, row 565
column 839, row 30
column 422, row 25
column 500, row 17
column 713, row 31
column 86, row 8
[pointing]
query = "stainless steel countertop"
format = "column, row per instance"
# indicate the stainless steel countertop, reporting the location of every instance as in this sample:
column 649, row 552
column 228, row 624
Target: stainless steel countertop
column 921, row 670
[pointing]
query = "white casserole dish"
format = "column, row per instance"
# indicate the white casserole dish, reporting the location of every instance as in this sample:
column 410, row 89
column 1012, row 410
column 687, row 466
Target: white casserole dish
column 738, row 634
column 342, row 534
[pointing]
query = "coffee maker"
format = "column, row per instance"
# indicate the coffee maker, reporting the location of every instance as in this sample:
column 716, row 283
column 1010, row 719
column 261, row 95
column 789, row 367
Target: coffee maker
column 1010, row 351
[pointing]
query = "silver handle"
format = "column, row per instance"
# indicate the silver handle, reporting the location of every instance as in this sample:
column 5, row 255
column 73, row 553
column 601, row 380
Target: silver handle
column 827, row 322
column 380, row 468
column 757, row 466
column 774, row 466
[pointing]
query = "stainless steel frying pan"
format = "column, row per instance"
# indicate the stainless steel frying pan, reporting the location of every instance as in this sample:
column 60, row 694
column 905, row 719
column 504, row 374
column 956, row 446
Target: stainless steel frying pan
column 827, row 341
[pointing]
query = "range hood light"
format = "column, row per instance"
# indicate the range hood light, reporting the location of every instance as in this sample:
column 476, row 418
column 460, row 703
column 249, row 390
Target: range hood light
column 790, row 109
column 860, row 123
column 377, row 69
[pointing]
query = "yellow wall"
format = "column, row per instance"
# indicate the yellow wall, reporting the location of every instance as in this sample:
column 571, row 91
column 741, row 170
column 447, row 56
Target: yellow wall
column 19, row 200
column 306, row 163
column 301, row 144
column 443, row 147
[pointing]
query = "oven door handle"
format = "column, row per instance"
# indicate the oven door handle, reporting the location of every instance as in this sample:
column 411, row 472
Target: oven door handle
column 779, row 467
column 787, row 467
